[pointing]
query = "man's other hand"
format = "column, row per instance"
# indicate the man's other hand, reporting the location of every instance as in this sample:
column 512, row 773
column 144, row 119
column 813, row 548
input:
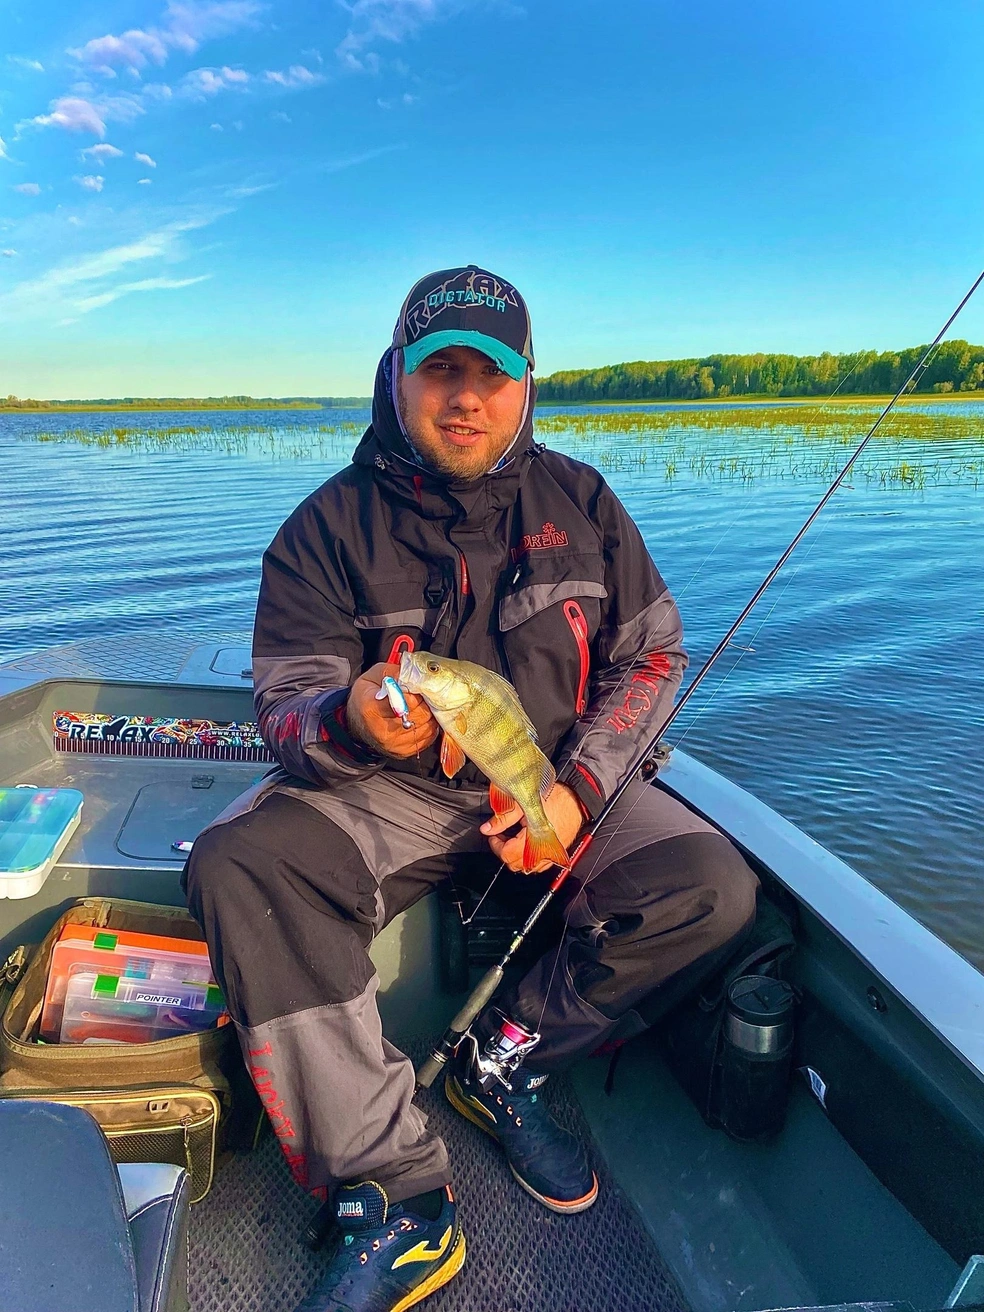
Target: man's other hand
column 374, row 723
column 564, row 813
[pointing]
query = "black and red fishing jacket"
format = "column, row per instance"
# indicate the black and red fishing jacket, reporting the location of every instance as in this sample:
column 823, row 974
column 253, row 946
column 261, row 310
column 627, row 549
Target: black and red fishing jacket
column 535, row 571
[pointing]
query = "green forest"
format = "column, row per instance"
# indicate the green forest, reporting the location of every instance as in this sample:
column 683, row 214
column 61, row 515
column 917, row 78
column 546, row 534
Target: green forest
column 165, row 403
column 956, row 367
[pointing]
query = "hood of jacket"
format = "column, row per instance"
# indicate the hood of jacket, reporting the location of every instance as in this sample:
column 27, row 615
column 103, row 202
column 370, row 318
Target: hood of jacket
column 385, row 449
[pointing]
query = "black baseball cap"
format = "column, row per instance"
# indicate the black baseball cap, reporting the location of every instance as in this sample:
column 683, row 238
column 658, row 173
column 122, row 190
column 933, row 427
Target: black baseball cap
column 466, row 307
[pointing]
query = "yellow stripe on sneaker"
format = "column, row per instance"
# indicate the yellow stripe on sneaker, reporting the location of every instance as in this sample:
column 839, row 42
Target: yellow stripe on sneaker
column 468, row 1106
column 445, row 1272
column 421, row 1253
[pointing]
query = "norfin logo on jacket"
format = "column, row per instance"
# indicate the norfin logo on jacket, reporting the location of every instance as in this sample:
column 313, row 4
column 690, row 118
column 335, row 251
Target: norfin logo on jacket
column 548, row 536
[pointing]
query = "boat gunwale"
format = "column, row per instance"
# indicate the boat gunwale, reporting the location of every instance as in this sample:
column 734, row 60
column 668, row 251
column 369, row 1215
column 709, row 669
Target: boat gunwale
column 943, row 989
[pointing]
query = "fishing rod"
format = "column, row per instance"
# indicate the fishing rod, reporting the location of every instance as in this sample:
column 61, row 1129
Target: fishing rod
column 485, row 989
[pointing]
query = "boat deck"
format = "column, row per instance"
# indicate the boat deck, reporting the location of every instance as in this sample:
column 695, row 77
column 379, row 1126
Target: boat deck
column 247, row 1255
column 694, row 1221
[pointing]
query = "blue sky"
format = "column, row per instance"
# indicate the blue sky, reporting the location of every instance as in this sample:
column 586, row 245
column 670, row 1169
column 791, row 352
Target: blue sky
column 233, row 196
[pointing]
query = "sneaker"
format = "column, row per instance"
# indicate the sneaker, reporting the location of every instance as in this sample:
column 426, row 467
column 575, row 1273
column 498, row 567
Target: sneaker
column 547, row 1162
column 390, row 1258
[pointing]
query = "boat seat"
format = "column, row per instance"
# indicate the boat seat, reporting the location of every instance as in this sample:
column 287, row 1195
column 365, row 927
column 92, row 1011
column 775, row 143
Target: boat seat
column 77, row 1233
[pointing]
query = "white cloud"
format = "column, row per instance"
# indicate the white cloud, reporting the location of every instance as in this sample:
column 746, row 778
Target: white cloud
column 8, row 254
column 201, row 83
column 295, row 77
column 405, row 99
column 217, row 127
column 133, row 49
column 103, row 151
column 239, row 193
column 144, row 182
column 387, row 20
column 145, row 159
column 21, row 62
column 184, row 27
column 189, row 24
column 279, row 116
column 90, row 181
column 28, row 188
column 3, row 150
column 75, row 114
column 97, row 301
column 93, row 281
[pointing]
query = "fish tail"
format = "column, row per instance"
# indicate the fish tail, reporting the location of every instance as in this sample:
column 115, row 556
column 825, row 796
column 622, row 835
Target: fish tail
column 543, row 845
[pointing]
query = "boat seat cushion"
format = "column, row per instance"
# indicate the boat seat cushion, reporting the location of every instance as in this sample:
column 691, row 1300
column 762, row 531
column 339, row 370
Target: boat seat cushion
column 76, row 1236
column 155, row 1198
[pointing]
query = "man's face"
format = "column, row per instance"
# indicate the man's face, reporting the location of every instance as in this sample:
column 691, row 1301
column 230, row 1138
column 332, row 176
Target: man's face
column 460, row 410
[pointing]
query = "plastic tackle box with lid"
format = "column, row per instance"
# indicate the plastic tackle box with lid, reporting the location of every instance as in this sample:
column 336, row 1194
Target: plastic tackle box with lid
column 120, row 1009
column 35, row 826
column 84, row 948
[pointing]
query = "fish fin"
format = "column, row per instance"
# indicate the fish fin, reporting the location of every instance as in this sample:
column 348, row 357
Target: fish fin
column 499, row 801
column 548, row 777
column 452, row 757
column 461, row 723
column 544, row 846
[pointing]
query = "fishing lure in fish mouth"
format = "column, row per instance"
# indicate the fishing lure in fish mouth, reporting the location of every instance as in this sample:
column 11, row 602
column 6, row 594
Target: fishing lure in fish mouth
column 483, row 991
column 483, row 720
column 393, row 693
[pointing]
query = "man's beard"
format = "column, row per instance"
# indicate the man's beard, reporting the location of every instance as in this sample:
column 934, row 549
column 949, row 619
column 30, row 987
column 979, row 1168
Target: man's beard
column 447, row 461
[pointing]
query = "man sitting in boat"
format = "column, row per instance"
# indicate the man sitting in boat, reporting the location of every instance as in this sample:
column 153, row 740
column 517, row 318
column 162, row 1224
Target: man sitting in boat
column 451, row 531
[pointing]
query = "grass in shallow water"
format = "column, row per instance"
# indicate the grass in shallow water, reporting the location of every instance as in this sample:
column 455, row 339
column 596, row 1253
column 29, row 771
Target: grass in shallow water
column 914, row 449
column 284, row 441
column 745, row 444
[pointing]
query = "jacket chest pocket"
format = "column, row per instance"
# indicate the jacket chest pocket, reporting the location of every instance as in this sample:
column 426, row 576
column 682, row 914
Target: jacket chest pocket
column 405, row 614
column 550, row 628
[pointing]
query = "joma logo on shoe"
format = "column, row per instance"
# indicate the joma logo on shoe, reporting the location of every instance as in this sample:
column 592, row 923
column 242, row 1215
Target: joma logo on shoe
column 350, row 1209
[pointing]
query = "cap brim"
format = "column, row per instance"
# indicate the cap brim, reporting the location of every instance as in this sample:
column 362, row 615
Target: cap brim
column 508, row 360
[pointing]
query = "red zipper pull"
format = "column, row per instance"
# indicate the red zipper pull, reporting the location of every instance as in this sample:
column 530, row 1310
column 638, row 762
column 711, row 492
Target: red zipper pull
column 579, row 627
column 400, row 644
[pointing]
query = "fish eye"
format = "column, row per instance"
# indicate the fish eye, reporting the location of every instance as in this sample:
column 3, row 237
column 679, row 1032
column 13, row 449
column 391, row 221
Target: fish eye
column 433, row 667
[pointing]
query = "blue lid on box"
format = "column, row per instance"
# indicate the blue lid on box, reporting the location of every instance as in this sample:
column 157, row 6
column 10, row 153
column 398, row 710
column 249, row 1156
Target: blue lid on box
column 32, row 823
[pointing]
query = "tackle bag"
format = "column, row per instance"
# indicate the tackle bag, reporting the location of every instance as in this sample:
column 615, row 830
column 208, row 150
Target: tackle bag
column 186, row 1100
column 691, row 1035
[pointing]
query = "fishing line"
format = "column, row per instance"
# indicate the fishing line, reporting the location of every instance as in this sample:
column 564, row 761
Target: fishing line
column 487, row 986
column 678, row 596
column 765, row 619
column 600, row 867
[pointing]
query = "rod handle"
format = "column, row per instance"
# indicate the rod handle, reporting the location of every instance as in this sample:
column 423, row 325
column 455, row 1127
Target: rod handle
column 476, row 1000
column 474, row 1003
column 431, row 1069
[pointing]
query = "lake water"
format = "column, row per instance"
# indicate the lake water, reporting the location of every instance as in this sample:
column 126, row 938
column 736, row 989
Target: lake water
column 857, row 710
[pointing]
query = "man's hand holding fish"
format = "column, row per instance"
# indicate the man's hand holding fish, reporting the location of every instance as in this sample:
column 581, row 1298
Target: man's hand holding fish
column 372, row 722
column 525, row 636
column 565, row 814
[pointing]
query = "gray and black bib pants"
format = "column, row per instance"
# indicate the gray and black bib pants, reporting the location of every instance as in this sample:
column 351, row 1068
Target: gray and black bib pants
column 292, row 885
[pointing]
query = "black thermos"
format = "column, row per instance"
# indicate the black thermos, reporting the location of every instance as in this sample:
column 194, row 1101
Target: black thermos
column 756, row 1055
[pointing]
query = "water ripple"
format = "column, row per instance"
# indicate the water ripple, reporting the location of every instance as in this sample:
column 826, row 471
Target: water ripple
column 858, row 714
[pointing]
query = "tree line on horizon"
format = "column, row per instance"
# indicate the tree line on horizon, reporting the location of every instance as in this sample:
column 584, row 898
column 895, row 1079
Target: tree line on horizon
column 12, row 402
column 957, row 366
